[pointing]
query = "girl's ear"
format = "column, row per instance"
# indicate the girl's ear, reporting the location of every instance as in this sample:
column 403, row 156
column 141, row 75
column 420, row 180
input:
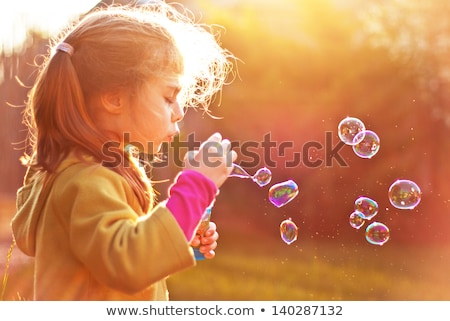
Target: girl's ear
column 113, row 102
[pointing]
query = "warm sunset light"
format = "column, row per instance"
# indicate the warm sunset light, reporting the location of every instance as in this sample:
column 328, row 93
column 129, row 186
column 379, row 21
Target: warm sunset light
column 346, row 103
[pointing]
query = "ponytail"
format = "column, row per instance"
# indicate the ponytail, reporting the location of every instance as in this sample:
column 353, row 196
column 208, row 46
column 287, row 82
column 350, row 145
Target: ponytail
column 60, row 123
column 60, row 113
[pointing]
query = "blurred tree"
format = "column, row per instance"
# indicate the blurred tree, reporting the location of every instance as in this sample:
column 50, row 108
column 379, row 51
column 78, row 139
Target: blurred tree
column 416, row 34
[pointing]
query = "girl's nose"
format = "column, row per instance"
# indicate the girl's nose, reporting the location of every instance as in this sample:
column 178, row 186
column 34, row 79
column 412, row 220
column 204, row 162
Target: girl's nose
column 177, row 112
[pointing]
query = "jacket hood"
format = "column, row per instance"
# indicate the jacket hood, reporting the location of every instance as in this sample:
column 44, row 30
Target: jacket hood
column 30, row 201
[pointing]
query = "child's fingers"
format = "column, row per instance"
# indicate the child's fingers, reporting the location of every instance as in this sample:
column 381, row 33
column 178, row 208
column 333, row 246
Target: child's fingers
column 210, row 254
column 208, row 247
column 211, row 234
column 214, row 141
column 209, row 238
column 212, row 228
column 195, row 241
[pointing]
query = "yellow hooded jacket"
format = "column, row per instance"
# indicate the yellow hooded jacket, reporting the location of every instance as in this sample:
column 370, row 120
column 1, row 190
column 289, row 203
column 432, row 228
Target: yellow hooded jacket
column 91, row 239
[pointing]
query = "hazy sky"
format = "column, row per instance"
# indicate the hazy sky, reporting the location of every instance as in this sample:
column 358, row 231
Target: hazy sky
column 49, row 16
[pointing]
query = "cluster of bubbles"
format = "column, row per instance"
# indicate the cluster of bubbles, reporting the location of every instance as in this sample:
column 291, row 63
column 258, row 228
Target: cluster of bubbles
column 365, row 209
column 402, row 194
column 279, row 195
column 353, row 132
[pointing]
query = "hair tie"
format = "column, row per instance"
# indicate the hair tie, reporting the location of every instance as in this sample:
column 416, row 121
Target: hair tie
column 65, row 47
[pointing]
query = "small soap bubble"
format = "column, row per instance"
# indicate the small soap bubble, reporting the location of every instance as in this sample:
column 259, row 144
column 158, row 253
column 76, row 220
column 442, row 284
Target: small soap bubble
column 404, row 194
column 262, row 177
column 367, row 144
column 356, row 220
column 282, row 193
column 348, row 128
column 288, row 231
column 367, row 207
column 377, row 233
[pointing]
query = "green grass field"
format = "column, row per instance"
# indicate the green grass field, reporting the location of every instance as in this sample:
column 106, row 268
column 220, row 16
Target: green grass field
column 322, row 271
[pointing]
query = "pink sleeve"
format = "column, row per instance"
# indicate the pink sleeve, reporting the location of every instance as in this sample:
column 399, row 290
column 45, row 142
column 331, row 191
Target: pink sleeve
column 189, row 196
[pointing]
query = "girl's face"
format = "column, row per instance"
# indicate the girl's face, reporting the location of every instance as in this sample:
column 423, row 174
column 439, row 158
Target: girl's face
column 151, row 116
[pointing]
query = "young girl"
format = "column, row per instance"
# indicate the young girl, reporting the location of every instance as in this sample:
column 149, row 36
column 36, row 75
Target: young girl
column 120, row 75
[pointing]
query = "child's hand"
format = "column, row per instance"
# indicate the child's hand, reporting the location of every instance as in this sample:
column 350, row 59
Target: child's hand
column 207, row 241
column 214, row 159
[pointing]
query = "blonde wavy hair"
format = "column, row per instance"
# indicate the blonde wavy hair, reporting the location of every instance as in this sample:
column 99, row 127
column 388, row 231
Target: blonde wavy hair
column 118, row 47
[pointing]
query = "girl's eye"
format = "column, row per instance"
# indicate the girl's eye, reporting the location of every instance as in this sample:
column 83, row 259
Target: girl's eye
column 170, row 100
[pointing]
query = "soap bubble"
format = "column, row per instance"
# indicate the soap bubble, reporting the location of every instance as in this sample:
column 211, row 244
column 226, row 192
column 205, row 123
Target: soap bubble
column 367, row 207
column 262, row 177
column 348, row 128
column 377, row 233
column 366, row 144
column 288, row 231
column 282, row 193
column 356, row 220
column 404, row 194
